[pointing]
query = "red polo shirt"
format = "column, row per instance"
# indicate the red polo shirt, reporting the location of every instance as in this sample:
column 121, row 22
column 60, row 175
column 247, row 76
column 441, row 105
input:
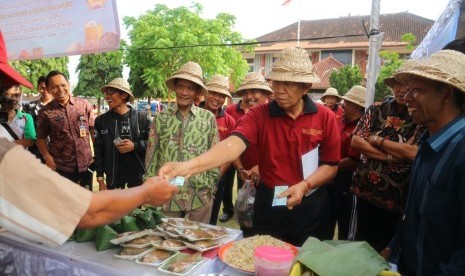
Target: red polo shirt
column 282, row 141
column 226, row 124
column 235, row 110
column 346, row 139
column 338, row 111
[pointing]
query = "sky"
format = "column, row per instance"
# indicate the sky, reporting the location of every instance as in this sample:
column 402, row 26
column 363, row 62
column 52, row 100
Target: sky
column 255, row 18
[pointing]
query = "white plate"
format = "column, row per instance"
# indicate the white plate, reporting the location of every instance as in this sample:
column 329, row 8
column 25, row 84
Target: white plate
column 160, row 246
column 191, row 238
column 142, row 245
column 169, row 234
column 129, row 237
column 139, row 260
column 178, row 223
column 132, row 257
column 189, row 269
column 202, row 249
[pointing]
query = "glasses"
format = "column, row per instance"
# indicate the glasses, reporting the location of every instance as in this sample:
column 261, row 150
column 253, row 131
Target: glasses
column 110, row 91
column 16, row 95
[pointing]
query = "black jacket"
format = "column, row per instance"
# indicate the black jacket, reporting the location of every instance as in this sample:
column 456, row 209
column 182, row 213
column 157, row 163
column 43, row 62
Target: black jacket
column 107, row 156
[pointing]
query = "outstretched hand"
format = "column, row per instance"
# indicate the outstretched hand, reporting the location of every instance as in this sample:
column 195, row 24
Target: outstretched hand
column 173, row 169
column 162, row 191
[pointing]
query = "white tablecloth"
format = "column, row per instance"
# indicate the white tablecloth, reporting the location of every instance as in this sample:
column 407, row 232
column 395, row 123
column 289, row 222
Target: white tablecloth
column 19, row 256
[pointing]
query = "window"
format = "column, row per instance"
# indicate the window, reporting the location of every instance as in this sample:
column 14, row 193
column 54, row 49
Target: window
column 344, row 56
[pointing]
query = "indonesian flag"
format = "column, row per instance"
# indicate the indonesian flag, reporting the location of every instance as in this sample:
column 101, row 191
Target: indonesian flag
column 286, row 2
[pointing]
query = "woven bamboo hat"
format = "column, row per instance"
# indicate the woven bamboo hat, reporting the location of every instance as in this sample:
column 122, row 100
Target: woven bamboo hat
column 446, row 66
column 356, row 95
column 391, row 81
column 294, row 65
column 120, row 84
column 254, row 80
column 331, row 92
column 219, row 84
column 190, row 71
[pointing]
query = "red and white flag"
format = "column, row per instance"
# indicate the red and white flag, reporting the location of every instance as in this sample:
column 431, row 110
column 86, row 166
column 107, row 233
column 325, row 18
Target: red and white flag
column 286, row 2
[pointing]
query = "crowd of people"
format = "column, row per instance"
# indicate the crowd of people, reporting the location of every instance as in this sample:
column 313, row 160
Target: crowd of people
column 390, row 174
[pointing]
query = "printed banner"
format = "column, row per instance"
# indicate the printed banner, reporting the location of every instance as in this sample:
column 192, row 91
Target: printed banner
column 50, row 28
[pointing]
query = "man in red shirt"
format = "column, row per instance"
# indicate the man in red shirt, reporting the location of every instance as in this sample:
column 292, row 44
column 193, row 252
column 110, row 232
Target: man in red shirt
column 218, row 90
column 254, row 91
column 253, row 84
column 339, row 189
column 284, row 130
column 331, row 99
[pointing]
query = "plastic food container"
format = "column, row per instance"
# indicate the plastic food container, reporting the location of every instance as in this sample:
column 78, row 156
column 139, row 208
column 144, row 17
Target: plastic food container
column 273, row 261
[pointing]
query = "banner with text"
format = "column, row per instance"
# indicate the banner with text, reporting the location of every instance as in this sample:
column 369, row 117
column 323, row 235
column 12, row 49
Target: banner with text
column 50, row 28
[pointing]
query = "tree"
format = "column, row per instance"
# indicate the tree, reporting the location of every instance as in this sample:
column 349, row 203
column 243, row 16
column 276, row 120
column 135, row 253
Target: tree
column 33, row 69
column 96, row 70
column 345, row 78
column 391, row 62
column 163, row 39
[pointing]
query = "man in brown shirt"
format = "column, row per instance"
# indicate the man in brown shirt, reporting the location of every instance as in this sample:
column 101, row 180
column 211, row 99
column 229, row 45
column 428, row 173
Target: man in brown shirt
column 68, row 122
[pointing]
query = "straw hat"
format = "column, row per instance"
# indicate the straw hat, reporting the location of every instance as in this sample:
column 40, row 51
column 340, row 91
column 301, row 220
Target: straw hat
column 219, row 84
column 120, row 84
column 391, row 81
column 294, row 65
column 254, row 80
column 446, row 66
column 331, row 92
column 190, row 71
column 356, row 95
column 8, row 75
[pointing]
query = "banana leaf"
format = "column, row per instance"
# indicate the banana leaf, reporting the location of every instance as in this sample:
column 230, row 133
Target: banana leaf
column 103, row 235
column 346, row 258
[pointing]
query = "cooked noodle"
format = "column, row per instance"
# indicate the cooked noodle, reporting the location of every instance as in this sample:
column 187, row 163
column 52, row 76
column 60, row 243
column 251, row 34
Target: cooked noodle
column 241, row 253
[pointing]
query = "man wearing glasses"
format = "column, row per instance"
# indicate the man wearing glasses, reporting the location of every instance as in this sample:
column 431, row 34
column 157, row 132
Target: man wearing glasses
column 14, row 124
column 68, row 122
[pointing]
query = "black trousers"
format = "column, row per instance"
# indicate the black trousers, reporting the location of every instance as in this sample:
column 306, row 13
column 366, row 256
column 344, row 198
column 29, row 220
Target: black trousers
column 220, row 196
column 228, row 206
column 341, row 203
column 375, row 225
column 310, row 218
column 84, row 179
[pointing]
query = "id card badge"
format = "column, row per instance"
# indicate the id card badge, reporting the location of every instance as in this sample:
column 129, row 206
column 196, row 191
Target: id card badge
column 82, row 127
column 82, row 131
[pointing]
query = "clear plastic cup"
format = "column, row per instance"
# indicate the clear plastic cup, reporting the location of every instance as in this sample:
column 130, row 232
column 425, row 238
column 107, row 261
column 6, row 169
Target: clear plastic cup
column 273, row 261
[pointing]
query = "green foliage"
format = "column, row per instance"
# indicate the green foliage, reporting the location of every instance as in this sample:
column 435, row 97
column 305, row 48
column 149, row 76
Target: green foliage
column 410, row 39
column 96, row 70
column 391, row 62
column 345, row 78
column 33, row 69
column 162, row 40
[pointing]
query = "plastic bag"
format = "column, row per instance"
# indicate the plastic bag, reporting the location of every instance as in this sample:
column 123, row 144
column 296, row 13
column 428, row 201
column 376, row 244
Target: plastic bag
column 244, row 204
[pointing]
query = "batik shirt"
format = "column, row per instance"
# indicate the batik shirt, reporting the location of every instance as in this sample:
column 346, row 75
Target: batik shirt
column 173, row 138
column 62, row 124
column 380, row 182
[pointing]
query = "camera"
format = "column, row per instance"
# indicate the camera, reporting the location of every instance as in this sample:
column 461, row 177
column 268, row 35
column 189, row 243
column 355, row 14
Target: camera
column 4, row 100
column 4, row 115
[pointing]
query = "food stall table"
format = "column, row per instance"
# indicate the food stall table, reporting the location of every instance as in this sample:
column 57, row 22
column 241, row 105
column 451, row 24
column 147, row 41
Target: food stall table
column 26, row 257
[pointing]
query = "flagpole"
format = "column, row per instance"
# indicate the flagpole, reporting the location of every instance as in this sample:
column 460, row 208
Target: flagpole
column 298, row 26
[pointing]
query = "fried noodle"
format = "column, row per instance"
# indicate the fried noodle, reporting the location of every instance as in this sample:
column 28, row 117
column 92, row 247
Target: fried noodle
column 241, row 253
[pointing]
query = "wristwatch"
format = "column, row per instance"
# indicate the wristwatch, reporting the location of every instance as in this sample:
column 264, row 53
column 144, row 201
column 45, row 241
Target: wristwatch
column 100, row 178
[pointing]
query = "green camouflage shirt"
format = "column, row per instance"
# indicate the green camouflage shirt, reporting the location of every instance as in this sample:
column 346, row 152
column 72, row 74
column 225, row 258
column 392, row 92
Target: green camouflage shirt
column 174, row 138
